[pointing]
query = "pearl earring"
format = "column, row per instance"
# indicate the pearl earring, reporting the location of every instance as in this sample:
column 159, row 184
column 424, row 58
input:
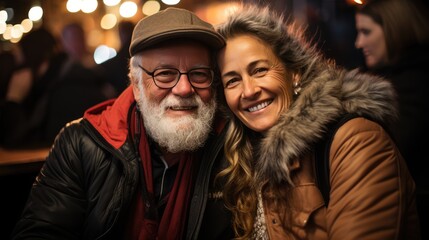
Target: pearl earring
column 296, row 88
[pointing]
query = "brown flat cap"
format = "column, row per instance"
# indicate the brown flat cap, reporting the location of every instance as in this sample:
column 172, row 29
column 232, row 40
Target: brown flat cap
column 173, row 23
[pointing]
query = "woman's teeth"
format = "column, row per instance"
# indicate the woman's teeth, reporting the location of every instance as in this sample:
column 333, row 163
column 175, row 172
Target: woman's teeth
column 259, row 106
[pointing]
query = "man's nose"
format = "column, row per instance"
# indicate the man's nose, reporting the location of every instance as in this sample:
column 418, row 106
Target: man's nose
column 183, row 87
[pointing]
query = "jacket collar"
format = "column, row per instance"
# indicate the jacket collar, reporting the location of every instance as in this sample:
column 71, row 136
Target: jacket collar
column 110, row 118
column 321, row 100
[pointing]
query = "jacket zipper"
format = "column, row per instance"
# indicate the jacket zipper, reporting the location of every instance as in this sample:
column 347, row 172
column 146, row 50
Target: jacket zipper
column 163, row 177
column 207, row 173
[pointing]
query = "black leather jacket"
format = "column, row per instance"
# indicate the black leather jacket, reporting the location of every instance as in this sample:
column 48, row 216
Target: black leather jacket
column 208, row 217
column 86, row 187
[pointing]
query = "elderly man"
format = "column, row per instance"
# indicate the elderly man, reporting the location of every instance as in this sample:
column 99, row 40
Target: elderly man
column 127, row 169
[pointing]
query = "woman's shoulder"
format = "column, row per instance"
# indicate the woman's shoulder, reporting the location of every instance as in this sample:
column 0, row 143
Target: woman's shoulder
column 359, row 125
column 365, row 166
column 358, row 130
column 363, row 142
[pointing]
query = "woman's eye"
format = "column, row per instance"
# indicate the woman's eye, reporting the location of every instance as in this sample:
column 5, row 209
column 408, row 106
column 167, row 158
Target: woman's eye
column 231, row 83
column 260, row 72
column 366, row 32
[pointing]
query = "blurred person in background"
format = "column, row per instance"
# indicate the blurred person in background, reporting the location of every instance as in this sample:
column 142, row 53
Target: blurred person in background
column 394, row 38
column 73, row 40
column 77, row 87
column 23, row 108
column 115, row 70
column 7, row 67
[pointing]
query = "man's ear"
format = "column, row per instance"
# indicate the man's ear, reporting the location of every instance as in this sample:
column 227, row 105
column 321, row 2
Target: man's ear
column 136, row 90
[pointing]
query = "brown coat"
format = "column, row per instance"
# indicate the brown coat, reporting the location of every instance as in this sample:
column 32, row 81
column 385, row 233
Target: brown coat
column 372, row 193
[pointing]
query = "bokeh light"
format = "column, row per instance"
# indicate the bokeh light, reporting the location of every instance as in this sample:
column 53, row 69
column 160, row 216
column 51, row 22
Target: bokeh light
column 151, row 7
column 16, row 31
column 171, row 2
column 89, row 6
column 2, row 27
column 27, row 25
column 103, row 53
column 35, row 13
column 3, row 16
column 7, row 32
column 73, row 5
column 128, row 9
column 111, row 2
column 108, row 21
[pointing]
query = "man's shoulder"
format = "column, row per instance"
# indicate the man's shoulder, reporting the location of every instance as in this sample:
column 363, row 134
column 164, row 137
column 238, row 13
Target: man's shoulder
column 73, row 131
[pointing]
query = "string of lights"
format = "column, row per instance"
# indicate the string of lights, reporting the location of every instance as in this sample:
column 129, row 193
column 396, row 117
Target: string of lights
column 115, row 9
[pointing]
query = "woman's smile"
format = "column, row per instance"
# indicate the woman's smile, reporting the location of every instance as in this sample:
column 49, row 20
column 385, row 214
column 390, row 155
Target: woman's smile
column 256, row 89
column 259, row 106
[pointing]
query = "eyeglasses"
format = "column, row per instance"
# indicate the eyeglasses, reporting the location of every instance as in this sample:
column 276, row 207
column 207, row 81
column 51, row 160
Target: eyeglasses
column 167, row 78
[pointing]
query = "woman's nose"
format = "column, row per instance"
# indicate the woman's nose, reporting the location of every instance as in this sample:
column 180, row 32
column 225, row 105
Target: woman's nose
column 250, row 88
column 358, row 42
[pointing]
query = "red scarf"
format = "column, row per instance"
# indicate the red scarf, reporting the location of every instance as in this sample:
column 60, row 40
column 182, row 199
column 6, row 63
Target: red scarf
column 172, row 223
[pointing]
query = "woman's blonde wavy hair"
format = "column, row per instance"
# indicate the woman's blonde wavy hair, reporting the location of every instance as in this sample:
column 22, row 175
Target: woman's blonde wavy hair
column 300, row 57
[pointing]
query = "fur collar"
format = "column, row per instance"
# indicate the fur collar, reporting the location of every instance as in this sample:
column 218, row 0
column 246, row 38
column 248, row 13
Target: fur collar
column 320, row 101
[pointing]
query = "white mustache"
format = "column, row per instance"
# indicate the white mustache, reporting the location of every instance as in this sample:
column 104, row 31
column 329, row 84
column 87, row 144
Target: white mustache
column 179, row 103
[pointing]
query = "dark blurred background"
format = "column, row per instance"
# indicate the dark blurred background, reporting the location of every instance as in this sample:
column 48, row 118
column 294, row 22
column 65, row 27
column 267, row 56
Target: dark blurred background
column 330, row 24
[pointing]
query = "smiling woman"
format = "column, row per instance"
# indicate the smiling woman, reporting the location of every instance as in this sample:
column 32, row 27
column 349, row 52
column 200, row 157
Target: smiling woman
column 255, row 90
column 281, row 96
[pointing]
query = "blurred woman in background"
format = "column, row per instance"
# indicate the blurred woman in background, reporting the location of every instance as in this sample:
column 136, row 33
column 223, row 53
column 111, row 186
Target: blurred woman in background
column 394, row 38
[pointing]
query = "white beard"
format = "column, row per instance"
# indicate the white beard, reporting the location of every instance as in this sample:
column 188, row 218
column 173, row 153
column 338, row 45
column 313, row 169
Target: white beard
column 186, row 133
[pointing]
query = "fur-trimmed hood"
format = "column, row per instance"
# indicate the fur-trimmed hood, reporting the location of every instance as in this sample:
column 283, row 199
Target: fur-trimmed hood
column 327, row 92
column 321, row 100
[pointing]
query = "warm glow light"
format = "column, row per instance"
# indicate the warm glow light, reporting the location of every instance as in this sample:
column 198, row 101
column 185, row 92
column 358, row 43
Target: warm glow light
column 216, row 12
column 89, row 6
column 111, row 2
column 358, row 2
column 2, row 27
column 27, row 25
column 73, row 5
column 35, row 13
column 3, row 16
column 94, row 37
column 171, row 2
column 16, row 31
column 103, row 53
column 108, row 21
column 151, row 7
column 128, row 9
column 7, row 32
column 15, row 40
